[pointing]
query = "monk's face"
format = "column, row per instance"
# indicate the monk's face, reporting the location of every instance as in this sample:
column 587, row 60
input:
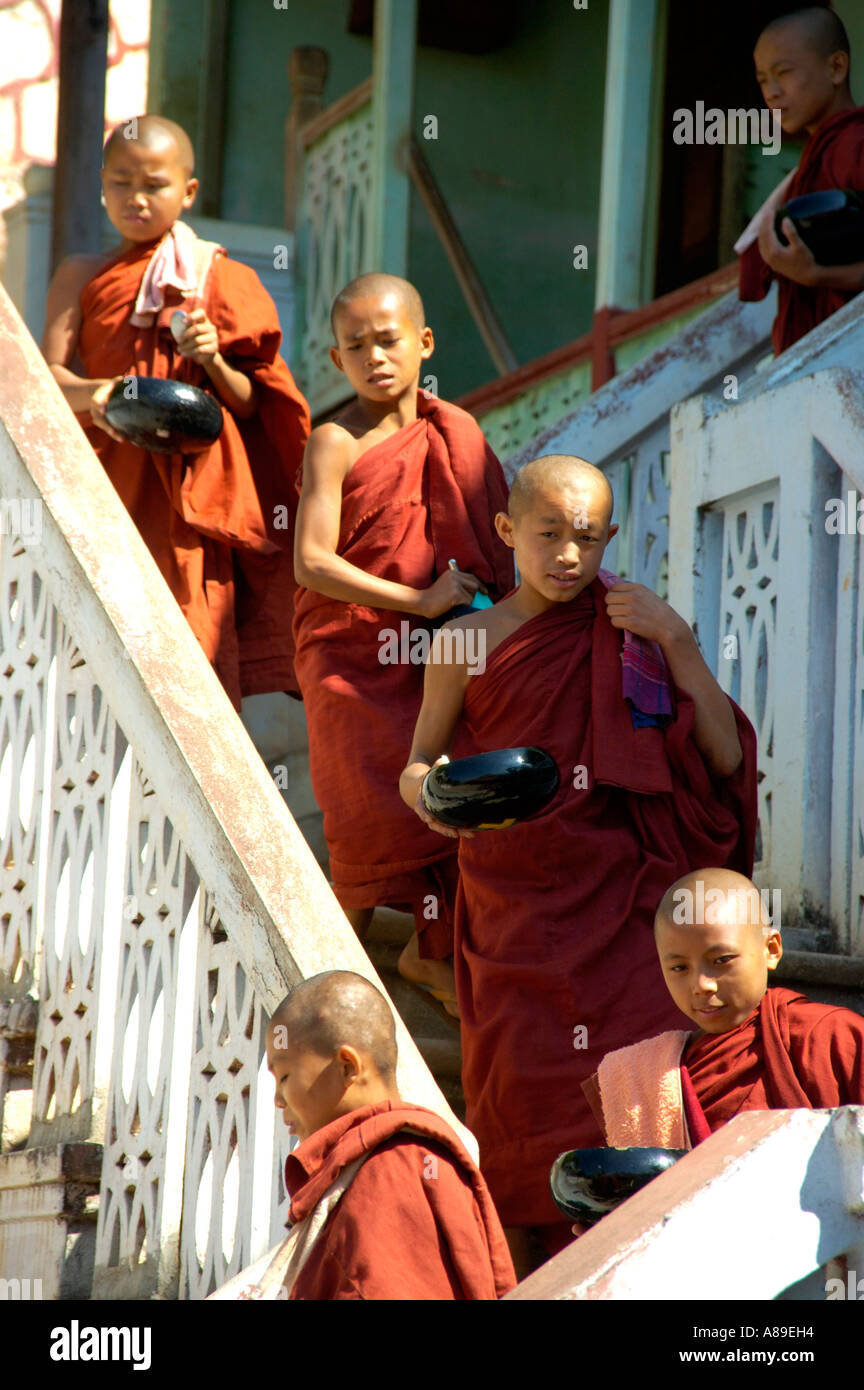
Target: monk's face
column 308, row 1087
column 560, row 537
column 796, row 80
column 380, row 347
column 146, row 188
column 717, row 971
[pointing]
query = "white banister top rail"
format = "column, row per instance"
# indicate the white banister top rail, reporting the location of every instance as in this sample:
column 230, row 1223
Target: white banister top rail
column 810, row 1162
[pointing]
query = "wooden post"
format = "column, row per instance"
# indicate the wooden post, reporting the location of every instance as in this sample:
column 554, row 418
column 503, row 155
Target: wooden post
column 628, row 118
column 77, row 218
column 394, row 43
column 307, row 74
column 473, row 291
column 212, row 83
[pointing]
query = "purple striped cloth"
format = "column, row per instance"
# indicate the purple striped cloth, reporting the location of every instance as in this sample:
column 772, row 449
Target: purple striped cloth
column 644, row 675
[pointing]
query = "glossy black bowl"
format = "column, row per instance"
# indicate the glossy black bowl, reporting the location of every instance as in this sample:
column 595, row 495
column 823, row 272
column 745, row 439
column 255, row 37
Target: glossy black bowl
column 588, row 1183
column 165, row 417
column 491, row 791
column 831, row 223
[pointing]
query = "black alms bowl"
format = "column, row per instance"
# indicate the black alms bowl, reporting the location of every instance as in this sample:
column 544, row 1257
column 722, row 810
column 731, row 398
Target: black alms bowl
column 831, row 223
column 491, row 791
column 588, row 1183
column 166, row 417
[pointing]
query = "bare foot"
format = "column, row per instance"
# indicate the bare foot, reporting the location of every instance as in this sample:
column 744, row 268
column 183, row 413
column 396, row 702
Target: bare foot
column 434, row 975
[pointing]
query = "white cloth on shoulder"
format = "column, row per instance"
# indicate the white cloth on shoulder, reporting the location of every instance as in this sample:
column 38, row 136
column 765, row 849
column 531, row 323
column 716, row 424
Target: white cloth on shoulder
column 275, row 1274
column 181, row 261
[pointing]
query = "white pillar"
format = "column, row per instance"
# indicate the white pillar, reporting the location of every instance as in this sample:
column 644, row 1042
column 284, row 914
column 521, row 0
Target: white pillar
column 628, row 122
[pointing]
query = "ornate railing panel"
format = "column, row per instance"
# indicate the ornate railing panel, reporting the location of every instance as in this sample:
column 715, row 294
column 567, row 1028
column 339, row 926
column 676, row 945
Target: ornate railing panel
column 156, row 898
column 334, row 237
column 748, row 618
column 624, row 428
column 772, row 584
column 25, row 656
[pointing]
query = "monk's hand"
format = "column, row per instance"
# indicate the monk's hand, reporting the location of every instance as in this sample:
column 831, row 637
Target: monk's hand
column 452, row 588
column 200, row 340
column 796, row 261
column 98, row 402
column 642, row 612
column 449, row 830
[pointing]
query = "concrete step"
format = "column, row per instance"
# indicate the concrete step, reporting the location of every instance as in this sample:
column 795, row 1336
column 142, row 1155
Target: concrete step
column 826, row 977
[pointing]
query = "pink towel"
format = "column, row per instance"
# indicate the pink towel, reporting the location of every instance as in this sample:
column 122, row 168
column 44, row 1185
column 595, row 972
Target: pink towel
column 182, row 262
column 640, row 1089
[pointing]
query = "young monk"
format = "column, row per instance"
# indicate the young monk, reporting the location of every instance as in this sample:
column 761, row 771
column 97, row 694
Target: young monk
column 400, row 1208
column 555, row 962
column 209, row 519
column 397, row 487
column 802, row 66
column 754, row 1048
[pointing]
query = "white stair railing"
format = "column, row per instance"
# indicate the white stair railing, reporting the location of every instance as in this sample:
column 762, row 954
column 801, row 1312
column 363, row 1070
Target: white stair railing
column 791, row 1243
column 156, row 896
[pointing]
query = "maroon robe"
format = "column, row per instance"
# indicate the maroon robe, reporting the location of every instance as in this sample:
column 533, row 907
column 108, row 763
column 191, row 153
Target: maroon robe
column 790, row 1053
column 833, row 157
column 417, row 1221
column 554, row 922
column 424, row 496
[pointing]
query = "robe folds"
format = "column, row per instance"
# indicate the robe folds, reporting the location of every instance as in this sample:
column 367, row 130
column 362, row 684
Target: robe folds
column 211, row 520
column 426, row 495
column 832, row 157
column 555, row 958
column 791, row 1053
column 416, row 1222
column 676, row 1089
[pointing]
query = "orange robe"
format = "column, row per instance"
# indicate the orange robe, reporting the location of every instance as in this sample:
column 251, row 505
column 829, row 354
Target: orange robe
column 555, row 958
column 424, row 496
column 833, row 157
column 210, row 520
column 416, row 1223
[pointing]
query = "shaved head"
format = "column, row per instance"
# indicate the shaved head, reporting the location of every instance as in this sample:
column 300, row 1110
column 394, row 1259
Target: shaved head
column 152, row 132
column 376, row 285
column 553, row 472
column 336, row 1009
column 716, row 897
column 822, row 29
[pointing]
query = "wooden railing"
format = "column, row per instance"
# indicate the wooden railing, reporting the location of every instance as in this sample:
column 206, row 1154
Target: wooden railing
column 156, row 897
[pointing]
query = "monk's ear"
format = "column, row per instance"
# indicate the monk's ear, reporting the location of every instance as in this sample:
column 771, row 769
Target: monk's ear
column 350, row 1063
column 613, row 531
column 427, row 341
column 504, row 527
column 191, row 192
column 773, row 950
column 336, row 359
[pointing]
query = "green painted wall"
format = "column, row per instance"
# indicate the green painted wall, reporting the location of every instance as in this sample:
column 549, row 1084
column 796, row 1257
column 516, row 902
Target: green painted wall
column 518, row 160
column 517, row 155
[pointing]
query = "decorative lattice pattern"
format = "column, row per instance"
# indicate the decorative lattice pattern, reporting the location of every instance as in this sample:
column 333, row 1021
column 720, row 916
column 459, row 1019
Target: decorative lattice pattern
column 26, row 632
column 748, row 626
column 158, row 907
column 224, row 1111
column 337, row 196
column 86, row 755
